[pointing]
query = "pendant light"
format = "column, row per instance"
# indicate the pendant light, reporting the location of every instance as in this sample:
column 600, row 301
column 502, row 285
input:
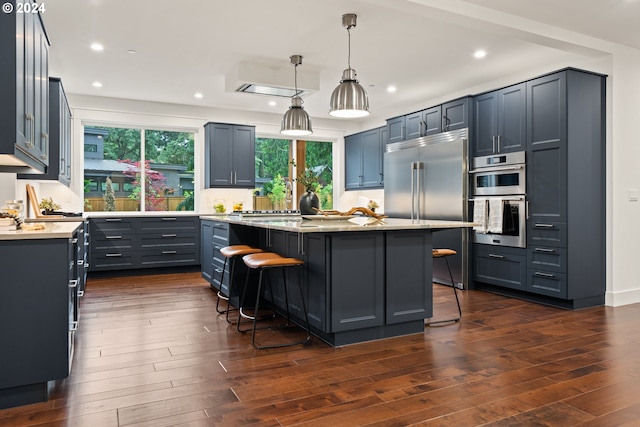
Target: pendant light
column 349, row 99
column 296, row 121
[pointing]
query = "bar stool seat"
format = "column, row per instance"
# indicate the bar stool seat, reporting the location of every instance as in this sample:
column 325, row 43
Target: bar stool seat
column 445, row 253
column 232, row 252
column 264, row 262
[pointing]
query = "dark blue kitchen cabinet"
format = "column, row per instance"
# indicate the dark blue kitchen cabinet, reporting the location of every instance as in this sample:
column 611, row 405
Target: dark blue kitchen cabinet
column 24, row 93
column 39, row 316
column 566, row 187
column 60, row 149
column 456, row 114
column 499, row 121
column 396, row 129
column 364, row 159
column 423, row 123
column 230, row 155
column 500, row 266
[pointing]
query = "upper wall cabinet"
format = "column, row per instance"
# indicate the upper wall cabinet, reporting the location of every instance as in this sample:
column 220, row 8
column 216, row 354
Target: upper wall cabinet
column 24, row 93
column 499, row 121
column 364, row 159
column 230, row 152
column 60, row 136
column 441, row 118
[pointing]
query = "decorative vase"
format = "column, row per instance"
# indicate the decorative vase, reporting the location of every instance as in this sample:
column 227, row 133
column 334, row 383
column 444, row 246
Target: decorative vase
column 308, row 201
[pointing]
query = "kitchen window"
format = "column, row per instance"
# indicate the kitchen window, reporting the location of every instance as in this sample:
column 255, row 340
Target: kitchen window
column 138, row 170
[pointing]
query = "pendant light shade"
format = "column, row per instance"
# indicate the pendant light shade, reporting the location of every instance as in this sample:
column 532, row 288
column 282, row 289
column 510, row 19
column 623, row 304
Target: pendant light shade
column 296, row 121
column 349, row 99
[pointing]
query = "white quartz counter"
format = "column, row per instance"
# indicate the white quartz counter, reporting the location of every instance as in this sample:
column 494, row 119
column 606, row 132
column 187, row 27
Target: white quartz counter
column 358, row 223
column 52, row 230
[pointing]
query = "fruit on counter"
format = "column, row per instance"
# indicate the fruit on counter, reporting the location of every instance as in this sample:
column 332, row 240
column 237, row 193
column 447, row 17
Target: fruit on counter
column 219, row 208
column 237, row 206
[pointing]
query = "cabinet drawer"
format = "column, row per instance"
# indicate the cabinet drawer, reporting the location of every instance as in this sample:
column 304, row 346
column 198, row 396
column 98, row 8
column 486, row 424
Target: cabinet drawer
column 108, row 225
column 547, row 258
column 547, row 283
column 150, row 224
column 547, row 233
column 112, row 241
column 168, row 257
column 112, row 260
column 168, row 239
column 501, row 268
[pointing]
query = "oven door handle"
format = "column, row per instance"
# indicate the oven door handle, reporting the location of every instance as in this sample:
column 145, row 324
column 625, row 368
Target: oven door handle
column 498, row 169
column 506, row 199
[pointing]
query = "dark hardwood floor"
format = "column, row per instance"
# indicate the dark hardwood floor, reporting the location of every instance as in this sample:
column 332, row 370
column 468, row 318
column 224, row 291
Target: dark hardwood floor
column 152, row 351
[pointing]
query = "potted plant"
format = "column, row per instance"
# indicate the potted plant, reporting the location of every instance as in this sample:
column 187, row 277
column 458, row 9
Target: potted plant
column 309, row 200
column 48, row 205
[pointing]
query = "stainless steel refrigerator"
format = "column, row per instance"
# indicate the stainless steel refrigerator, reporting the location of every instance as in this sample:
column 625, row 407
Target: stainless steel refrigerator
column 426, row 178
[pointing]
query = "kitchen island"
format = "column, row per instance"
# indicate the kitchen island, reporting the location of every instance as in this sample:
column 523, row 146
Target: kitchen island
column 364, row 279
column 41, row 280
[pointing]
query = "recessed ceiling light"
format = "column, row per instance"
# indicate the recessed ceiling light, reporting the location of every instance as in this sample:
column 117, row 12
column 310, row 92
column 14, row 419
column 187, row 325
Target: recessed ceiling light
column 479, row 54
column 198, row 95
column 97, row 47
column 131, row 51
column 97, row 84
column 273, row 103
column 391, row 89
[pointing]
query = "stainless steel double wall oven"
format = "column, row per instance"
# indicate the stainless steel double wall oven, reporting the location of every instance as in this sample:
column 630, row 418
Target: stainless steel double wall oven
column 500, row 180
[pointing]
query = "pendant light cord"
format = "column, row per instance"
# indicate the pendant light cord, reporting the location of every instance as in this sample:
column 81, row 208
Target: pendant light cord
column 349, row 49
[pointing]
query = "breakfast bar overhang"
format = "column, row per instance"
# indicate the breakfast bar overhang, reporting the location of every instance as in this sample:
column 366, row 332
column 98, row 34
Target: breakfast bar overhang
column 364, row 279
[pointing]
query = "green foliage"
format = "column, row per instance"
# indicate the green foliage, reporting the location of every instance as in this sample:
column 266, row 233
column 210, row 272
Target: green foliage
column 121, row 144
column 278, row 190
column 169, row 148
column 188, row 204
column 320, row 158
column 109, row 197
column 272, row 157
column 325, row 193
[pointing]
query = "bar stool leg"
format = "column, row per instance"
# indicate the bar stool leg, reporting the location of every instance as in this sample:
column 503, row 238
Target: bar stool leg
column 455, row 292
column 220, row 296
column 254, row 317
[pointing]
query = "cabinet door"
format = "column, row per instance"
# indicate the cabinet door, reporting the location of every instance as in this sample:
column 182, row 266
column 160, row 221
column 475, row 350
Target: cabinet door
column 547, row 149
column 371, row 159
column 219, row 148
column 353, row 161
column 29, row 83
column 432, row 119
column 414, row 123
column 455, row 114
column 485, row 124
column 409, row 293
column 396, row 129
column 512, row 119
column 41, row 87
column 244, row 156
column 357, row 281
column 22, row 124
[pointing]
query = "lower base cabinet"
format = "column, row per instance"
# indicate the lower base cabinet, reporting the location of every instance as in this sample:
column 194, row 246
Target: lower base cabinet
column 500, row 266
column 126, row 243
column 39, row 315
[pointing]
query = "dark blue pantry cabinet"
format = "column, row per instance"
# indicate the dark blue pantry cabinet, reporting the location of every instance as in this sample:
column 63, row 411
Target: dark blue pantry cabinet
column 364, row 159
column 230, row 152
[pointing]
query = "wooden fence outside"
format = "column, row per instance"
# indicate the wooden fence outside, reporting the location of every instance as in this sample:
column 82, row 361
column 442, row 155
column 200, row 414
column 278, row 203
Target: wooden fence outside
column 124, row 204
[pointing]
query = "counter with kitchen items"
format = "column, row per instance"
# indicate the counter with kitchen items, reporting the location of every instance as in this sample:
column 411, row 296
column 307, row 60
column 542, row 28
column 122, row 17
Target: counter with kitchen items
column 42, row 230
column 364, row 278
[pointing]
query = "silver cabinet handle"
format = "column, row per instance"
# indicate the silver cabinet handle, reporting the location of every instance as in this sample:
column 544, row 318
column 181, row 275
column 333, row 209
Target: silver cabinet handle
column 73, row 283
column 537, row 225
column 74, row 241
column 498, row 138
column 169, row 219
column 496, row 256
column 113, row 255
column 80, row 262
column 80, row 293
column 218, row 270
column 73, row 326
column 169, row 252
column 546, row 275
column 113, row 219
column 113, row 237
column 493, row 144
column 544, row 250
column 31, row 119
column 169, row 235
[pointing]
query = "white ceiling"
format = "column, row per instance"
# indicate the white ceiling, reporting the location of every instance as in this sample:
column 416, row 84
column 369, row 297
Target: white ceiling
column 424, row 47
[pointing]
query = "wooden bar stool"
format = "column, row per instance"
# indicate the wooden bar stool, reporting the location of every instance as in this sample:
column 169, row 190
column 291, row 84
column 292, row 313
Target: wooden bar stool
column 445, row 253
column 263, row 263
column 233, row 253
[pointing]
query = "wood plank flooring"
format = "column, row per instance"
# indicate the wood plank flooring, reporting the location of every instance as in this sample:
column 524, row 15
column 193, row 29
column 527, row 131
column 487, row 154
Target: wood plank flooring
column 152, row 351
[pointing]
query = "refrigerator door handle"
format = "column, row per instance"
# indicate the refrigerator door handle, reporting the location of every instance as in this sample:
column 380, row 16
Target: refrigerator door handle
column 413, row 189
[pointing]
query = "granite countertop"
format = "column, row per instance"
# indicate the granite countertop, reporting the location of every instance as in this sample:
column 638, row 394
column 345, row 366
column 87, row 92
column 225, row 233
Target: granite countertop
column 52, row 230
column 358, row 223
